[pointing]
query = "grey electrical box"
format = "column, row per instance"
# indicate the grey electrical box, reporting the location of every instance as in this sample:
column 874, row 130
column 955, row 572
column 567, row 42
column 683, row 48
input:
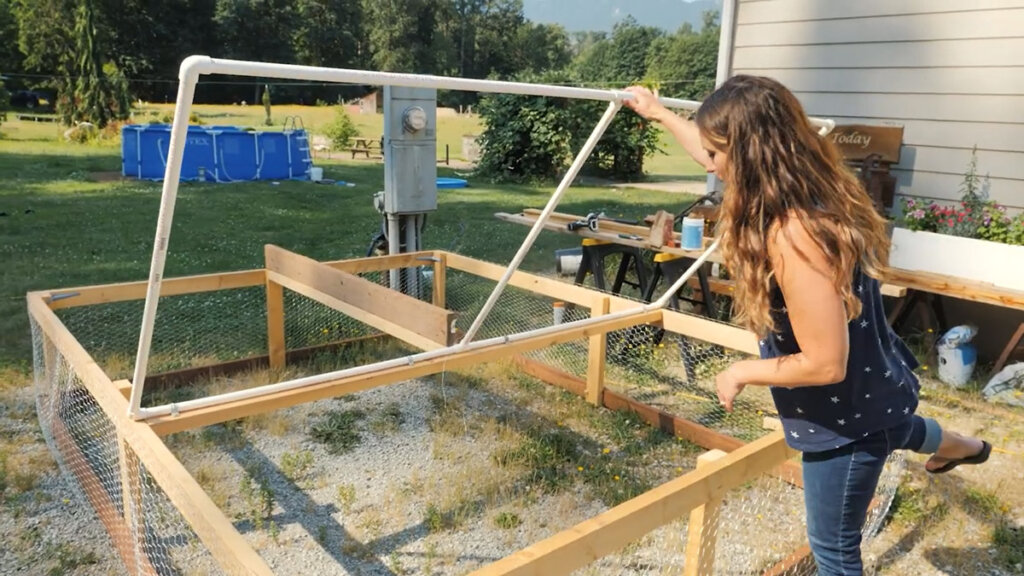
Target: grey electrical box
column 410, row 150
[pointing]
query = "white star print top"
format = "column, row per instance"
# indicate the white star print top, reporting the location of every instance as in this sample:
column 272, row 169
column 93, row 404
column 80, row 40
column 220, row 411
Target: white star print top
column 880, row 389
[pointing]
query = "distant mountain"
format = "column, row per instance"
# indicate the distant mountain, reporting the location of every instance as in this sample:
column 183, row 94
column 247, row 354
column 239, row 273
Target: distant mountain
column 582, row 15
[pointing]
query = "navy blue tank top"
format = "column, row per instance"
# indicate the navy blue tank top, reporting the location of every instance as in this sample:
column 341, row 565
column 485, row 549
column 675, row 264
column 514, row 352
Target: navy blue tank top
column 880, row 389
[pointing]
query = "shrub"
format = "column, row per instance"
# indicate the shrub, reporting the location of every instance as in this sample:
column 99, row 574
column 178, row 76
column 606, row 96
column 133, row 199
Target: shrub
column 341, row 129
column 528, row 138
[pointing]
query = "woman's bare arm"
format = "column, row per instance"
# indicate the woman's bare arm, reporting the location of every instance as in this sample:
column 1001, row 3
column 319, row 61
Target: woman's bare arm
column 816, row 313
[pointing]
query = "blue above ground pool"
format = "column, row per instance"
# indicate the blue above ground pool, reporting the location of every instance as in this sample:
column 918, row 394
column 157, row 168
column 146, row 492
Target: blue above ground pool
column 216, row 153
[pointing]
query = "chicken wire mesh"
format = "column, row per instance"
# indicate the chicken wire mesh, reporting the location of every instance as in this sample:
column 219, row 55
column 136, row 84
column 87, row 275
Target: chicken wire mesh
column 675, row 373
column 148, row 531
column 669, row 371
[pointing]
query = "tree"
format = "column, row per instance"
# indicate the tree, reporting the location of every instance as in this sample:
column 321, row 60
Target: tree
column 47, row 42
column 330, row 33
column 10, row 57
column 398, row 29
column 148, row 40
column 5, row 99
column 97, row 93
column 620, row 58
column 542, row 47
column 256, row 30
column 686, row 63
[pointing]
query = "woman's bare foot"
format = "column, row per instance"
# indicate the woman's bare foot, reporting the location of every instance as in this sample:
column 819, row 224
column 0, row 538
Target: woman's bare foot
column 953, row 448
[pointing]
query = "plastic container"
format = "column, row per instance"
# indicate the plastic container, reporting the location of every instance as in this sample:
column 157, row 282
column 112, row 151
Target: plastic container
column 316, row 173
column 567, row 261
column 957, row 356
column 447, row 183
column 692, row 235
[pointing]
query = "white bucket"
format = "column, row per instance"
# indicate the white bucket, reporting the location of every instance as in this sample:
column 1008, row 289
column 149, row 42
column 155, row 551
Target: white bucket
column 568, row 261
column 956, row 364
column 316, row 173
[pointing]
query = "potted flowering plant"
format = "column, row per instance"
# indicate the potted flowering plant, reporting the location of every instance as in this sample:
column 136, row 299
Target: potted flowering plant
column 974, row 239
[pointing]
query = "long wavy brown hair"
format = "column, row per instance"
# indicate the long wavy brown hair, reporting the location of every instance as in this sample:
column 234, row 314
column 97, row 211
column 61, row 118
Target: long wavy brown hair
column 778, row 167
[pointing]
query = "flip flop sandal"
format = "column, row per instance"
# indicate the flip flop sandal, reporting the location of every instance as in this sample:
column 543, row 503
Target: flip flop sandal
column 978, row 458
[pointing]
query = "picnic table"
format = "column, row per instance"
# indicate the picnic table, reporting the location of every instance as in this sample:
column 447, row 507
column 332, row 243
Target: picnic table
column 367, row 146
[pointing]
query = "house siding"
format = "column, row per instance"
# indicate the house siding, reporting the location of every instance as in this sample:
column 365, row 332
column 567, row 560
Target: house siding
column 949, row 71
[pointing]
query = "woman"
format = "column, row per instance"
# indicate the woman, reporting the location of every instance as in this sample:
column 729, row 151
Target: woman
column 806, row 248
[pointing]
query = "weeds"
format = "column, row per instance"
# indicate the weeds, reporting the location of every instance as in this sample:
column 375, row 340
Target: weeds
column 1009, row 543
column 985, row 502
column 395, row 563
column 346, row 497
column 547, row 455
column 911, row 506
column 258, row 497
column 507, row 520
column 68, row 558
column 296, row 465
column 389, row 421
column 337, row 430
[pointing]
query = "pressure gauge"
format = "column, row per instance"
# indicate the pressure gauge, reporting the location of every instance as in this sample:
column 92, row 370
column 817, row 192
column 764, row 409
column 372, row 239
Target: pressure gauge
column 414, row 119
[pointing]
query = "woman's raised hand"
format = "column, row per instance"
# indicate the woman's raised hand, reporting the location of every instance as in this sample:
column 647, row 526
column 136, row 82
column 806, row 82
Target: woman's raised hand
column 646, row 104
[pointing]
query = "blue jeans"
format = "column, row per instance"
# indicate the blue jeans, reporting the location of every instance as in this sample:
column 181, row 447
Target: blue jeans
column 839, row 485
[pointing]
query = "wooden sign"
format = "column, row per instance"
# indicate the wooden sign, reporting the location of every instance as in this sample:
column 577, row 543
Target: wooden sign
column 858, row 141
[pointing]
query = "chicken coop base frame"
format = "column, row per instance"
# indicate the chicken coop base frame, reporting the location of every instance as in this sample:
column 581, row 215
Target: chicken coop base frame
column 142, row 448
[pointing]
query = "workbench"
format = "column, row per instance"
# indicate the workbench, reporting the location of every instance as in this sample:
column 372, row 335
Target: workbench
column 912, row 288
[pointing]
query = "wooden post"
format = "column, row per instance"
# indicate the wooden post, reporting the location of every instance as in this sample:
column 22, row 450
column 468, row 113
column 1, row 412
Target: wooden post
column 1015, row 342
column 440, row 279
column 703, row 528
column 275, row 324
column 597, row 351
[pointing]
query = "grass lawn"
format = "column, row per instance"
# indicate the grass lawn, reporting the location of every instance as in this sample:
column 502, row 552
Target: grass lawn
column 64, row 228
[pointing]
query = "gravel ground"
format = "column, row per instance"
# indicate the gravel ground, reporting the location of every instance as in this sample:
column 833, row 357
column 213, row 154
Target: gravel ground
column 422, row 495
column 45, row 527
column 398, row 476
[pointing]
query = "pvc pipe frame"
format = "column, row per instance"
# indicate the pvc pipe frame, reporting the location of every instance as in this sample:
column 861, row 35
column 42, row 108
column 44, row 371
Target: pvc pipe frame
column 194, row 66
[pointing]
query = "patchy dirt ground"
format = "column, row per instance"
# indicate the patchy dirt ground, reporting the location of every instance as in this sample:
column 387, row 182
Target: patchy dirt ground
column 968, row 522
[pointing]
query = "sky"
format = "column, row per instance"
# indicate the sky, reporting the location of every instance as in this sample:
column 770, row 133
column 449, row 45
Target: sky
column 580, row 15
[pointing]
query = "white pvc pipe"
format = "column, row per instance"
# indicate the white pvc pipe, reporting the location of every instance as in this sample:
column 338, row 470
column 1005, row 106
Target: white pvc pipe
column 207, row 65
column 574, row 170
column 175, row 153
column 193, row 66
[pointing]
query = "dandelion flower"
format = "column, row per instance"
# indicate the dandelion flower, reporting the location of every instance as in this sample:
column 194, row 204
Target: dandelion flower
column 579, row 468
column 679, row 469
column 606, row 450
column 616, row 478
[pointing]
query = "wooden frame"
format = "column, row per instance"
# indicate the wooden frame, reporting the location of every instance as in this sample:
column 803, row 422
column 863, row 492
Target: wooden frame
column 335, row 284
